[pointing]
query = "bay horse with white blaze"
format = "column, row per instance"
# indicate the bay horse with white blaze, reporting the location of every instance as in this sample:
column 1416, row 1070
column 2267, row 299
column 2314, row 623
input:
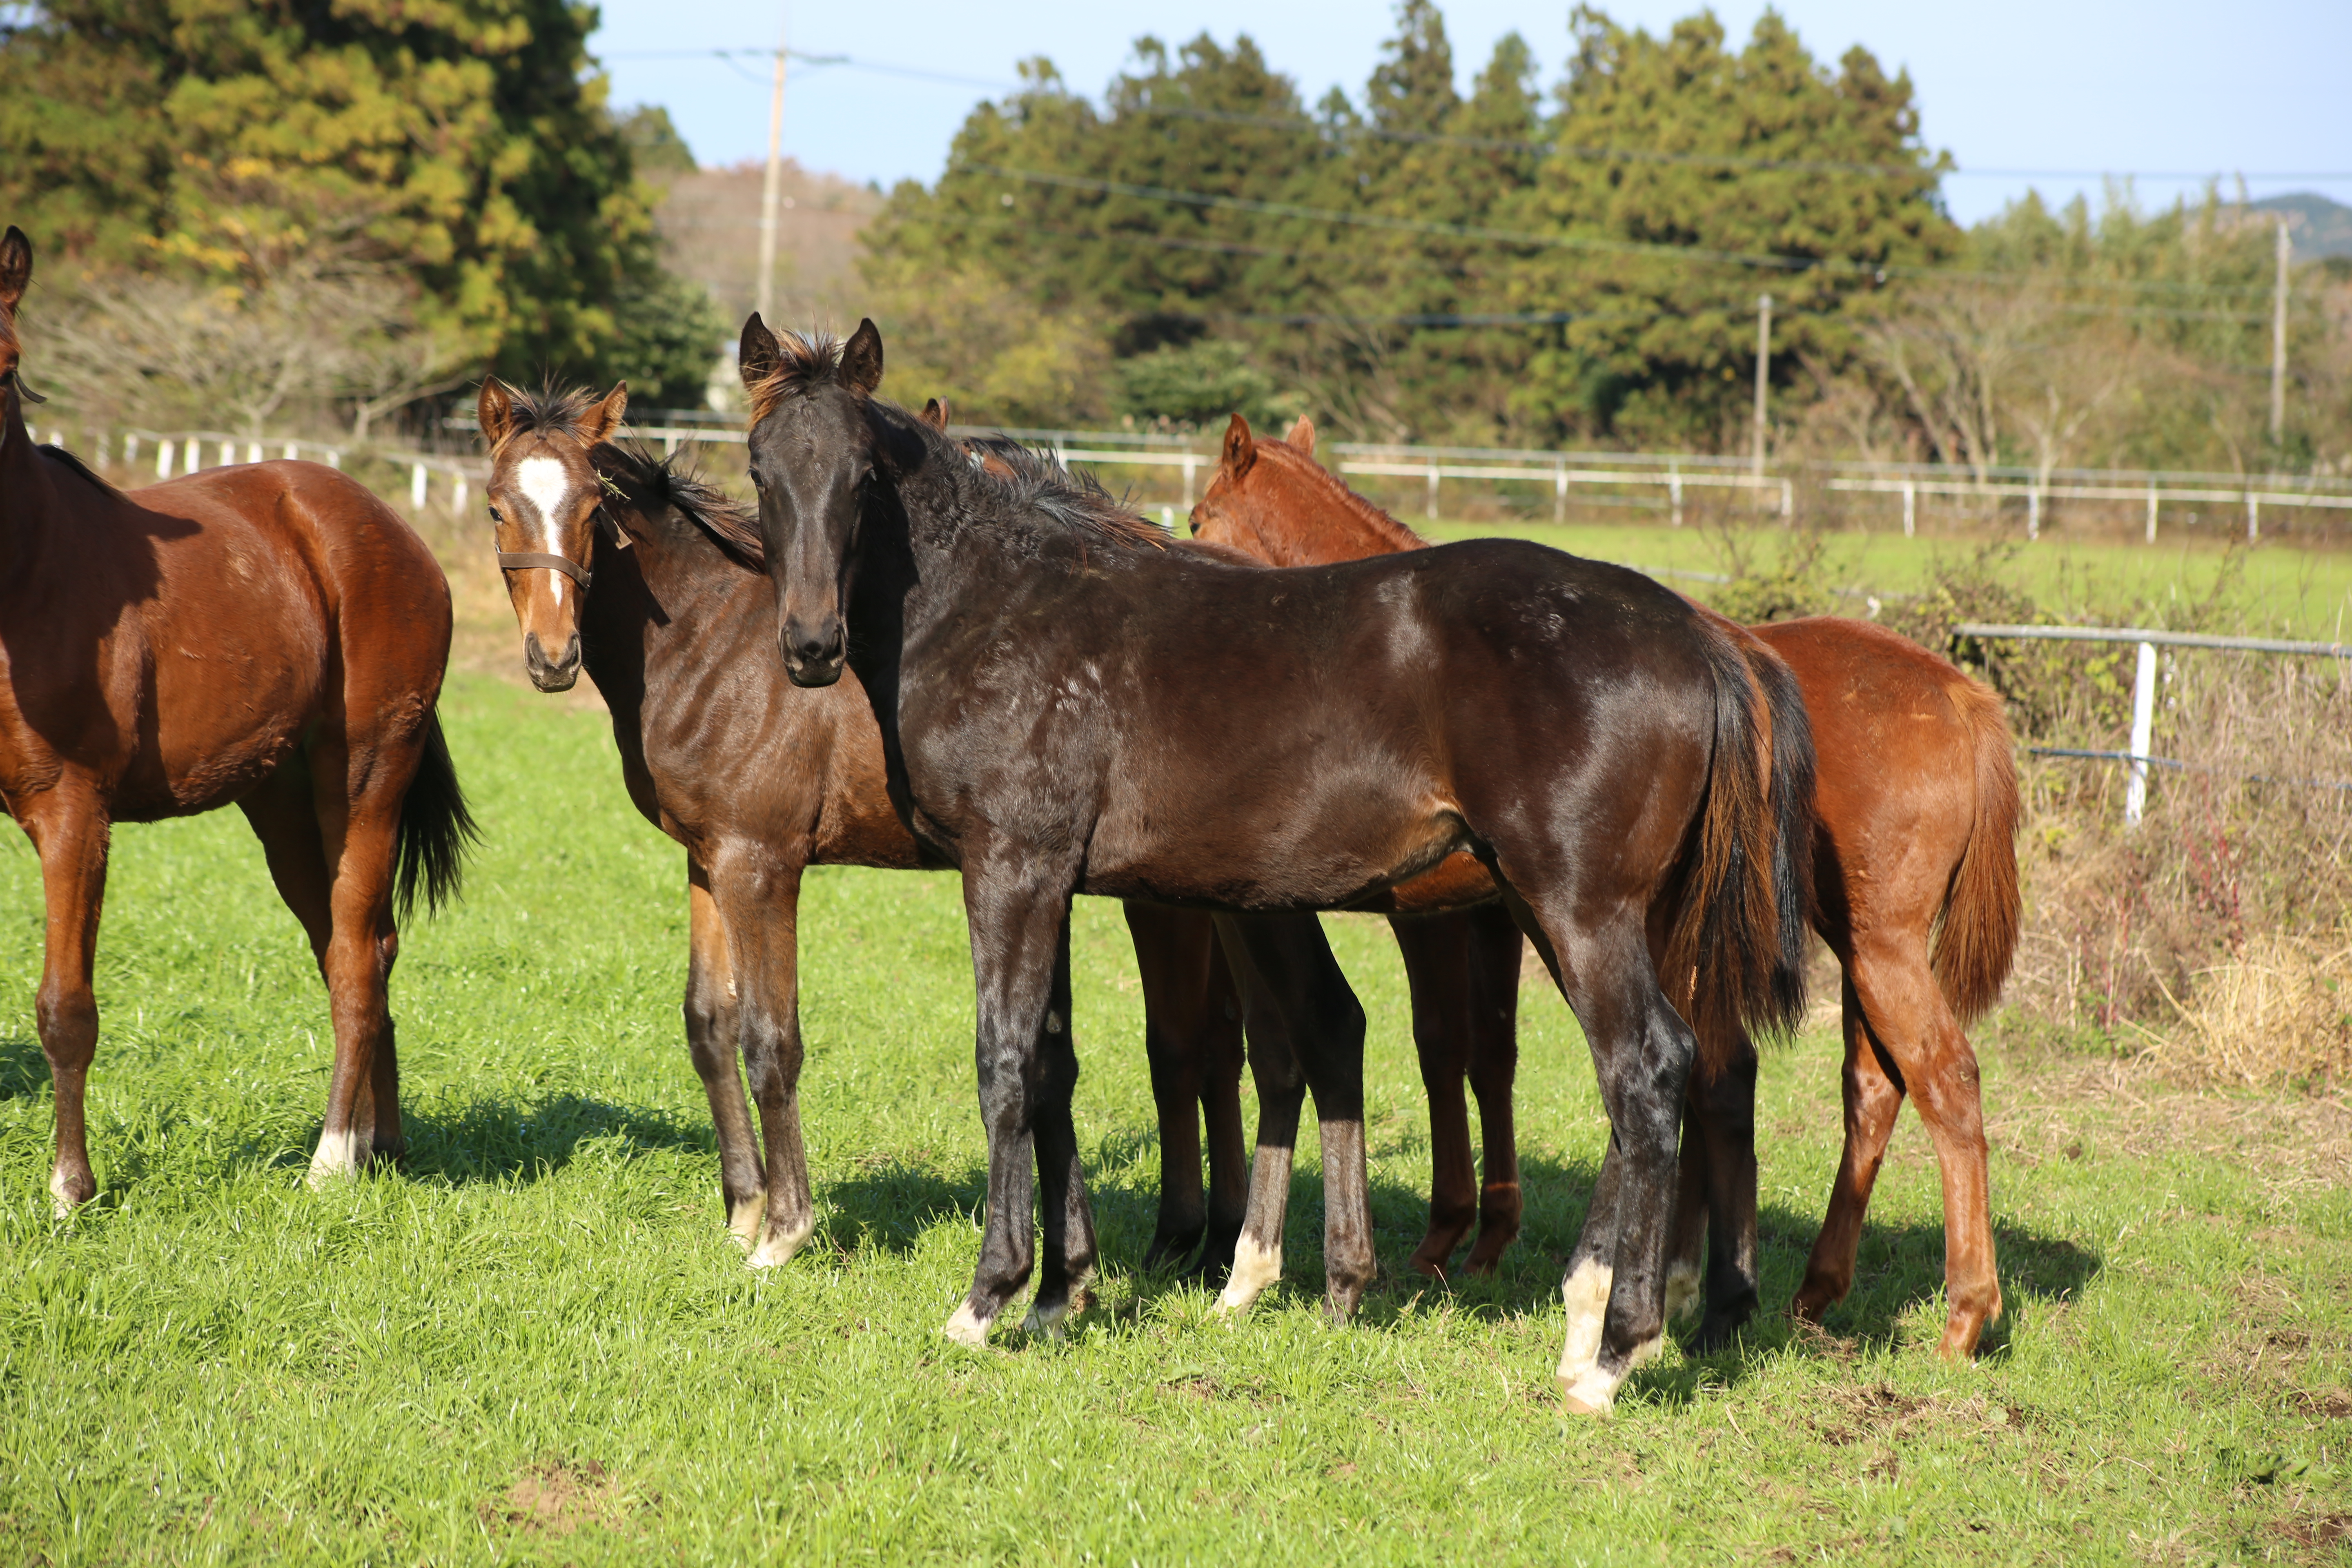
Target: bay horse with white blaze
column 270, row 636
column 1914, row 876
column 1638, row 794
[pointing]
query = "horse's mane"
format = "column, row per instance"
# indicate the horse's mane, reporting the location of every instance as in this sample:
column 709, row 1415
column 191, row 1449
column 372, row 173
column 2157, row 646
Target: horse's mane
column 67, row 461
column 801, row 362
column 1291, row 460
column 668, row 482
column 548, row 411
column 1035, row 482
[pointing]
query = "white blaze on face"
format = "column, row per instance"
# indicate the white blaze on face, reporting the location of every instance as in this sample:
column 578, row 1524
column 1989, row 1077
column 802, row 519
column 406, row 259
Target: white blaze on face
column 547, row 485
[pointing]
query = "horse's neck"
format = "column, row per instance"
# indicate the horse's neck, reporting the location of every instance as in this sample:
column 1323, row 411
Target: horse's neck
column 27, row 494
column 1319, row 524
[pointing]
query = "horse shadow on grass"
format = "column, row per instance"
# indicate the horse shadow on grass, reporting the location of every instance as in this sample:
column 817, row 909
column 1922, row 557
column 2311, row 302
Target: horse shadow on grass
column 510, row 1142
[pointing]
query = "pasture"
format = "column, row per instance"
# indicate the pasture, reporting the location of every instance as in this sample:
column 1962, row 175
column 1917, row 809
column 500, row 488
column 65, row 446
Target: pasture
column 536, row 1343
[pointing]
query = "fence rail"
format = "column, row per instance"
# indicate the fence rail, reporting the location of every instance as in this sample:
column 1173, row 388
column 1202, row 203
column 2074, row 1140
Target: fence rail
column 2143, row 681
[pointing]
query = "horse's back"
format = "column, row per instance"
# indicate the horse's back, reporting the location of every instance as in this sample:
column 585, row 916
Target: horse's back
column 222, row 617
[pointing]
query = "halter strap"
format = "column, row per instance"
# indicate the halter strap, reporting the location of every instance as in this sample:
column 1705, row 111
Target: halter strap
column 527, row 560
column 16, row 379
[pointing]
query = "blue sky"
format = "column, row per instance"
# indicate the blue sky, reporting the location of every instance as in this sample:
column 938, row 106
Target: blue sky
column 2069, row 91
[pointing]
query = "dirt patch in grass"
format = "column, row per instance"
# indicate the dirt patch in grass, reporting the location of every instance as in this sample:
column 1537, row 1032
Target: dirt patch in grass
column 557, row 1496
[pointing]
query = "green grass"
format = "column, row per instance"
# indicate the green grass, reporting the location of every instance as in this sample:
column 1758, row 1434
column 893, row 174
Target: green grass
column 536, row 1344
column 2282, row 590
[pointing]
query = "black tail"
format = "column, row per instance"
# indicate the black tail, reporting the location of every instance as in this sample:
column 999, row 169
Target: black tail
column 435, row 829
column 1734, row 962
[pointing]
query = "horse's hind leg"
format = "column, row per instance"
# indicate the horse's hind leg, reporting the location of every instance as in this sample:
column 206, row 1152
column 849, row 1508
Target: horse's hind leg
column 1281, row 1095
column 359, row 841
column 1067, row 1218
column 713, row 1026
column 70, row 833
column 1495, row 949
column 1905, row 1015
column 1873, row 1092
column 1173, row 949
column 1291, row 964
column 1436, row 949
column 1721, row 1121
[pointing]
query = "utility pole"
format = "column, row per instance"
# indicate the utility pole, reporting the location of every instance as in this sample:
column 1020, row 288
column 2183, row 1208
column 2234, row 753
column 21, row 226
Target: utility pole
column 2278, row 340
column 772, row 198
column 1763, row 372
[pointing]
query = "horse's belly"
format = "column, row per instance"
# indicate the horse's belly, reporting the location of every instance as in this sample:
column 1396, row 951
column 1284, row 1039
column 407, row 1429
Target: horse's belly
column 1337, row 859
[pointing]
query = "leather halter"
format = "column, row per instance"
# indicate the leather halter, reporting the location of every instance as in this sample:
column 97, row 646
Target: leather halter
column 15, row 378
column 532, row 560
column 525, row 560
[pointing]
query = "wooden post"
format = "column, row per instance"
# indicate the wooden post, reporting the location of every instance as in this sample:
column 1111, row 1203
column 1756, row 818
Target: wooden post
column 2254, row 517
column 1763, row 372
column 2278, row 338
column 1910, row 508
column 163, row 456
column 1191, row 467
column 2143, row 723
column 1559, row 493
column 2151, row 511
column 772, row 194
column 416, row 487
column 457, row 495
column 1432, row 489
column 1674, row 491
column 2033, row 512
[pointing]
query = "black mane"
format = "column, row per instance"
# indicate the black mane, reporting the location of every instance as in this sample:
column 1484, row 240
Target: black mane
column 658, row 482
column 1011, row 487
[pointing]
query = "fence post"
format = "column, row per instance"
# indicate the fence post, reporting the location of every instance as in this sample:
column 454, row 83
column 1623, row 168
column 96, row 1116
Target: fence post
column 1559, row 492
column 2143, row 723
column 1432, row 489
column 1192, row 465
column 253, row 451
column 2254, row 517
column 129, row 450
column 1788, row 500
column 416, row 487
column 1910, row 508
column 1675, row 490
column 293, row 450
column 163, row 456
column 2151, row 512
column 2033, row 512
column 457, row 495
column 334, row 458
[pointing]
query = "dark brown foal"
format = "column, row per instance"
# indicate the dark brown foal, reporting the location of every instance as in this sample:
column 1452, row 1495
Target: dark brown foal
column 269, row 636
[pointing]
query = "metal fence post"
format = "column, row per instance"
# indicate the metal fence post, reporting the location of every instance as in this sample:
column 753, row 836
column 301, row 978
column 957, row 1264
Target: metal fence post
column 2143, row 723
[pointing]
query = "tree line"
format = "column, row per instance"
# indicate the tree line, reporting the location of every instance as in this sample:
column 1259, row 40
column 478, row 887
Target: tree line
column 1578, row 264
column 265, row 211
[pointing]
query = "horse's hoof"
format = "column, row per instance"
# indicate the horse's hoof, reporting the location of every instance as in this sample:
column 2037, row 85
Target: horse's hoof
column 1428, row 1267
column 1045, row 1322
column 745, row 1218
column 967, row 1328
column 776, row 1248
column 1594, row 1393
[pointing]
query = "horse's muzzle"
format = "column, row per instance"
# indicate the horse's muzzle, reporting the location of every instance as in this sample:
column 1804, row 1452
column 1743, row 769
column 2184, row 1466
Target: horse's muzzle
column 815, row 655
column 551, row 674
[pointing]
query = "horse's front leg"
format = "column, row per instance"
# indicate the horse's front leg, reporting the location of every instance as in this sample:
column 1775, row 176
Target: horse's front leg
column 1027, row 1070
column 70, row 833
column 713, row 1031
column 757, row 889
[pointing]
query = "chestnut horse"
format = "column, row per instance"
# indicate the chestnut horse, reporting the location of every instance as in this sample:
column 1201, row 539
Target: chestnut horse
column 269, row 635
column 652, row 583
column 1916, row 805
column 1637, row 791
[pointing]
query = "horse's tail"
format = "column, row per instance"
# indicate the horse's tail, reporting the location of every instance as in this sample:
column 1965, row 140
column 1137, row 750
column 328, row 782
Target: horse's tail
column 1736, row 950
column 1977, row 938
column 435, row 829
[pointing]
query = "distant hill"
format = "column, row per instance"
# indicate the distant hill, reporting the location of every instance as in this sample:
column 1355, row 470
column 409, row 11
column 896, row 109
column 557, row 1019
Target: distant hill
column 709, row 227
column 2317, row 225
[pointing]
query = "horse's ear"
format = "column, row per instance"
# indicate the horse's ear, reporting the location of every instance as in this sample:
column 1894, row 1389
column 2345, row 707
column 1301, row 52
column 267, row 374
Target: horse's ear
column 1241, row 448
column 608, row 415
column 861, row 357
column 1302, row 436
column 756, row 356
column 16, row 266
column 495, row 409
column 935, row 414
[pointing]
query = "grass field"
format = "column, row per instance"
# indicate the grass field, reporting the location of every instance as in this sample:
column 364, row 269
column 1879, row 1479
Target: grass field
column 536, row 1344
column 2278, row 590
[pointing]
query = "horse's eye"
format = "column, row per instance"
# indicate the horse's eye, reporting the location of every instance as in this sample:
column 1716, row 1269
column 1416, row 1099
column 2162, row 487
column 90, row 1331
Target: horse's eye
column 495, row 515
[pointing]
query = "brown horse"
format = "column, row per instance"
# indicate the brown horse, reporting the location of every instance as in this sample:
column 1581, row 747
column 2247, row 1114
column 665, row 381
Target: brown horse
column 1636, row 787
column 652, row 582
column 269, row 635
column 1916, row 804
